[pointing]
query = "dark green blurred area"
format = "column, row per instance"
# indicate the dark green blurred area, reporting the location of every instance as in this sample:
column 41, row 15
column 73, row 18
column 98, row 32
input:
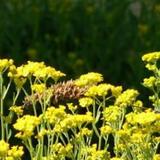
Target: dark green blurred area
column 78, row 36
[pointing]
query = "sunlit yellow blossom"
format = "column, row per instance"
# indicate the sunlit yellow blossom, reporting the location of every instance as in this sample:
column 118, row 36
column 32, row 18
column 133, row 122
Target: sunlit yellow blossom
column 84, row 132
column 99, row 90
column 72, row 121
column 54, row 115
column 26, row 125
column 122, row 133
column 149, row 82
column 48, row 72
column 127, row 98
column 60, row 150
column 143, row 118
column 29, row 69
column 156, row 157
column 94, row 154
column 4, row 147
column 89, row 79
column 151, row 67
column 105, row 130
column 38, row 88
column 112, row 113
column 71, row 107
column 116, row 91
column 138, row 137
column 19, row 80
column 138, row 104
column 16, row 152
column 86, row 102
column 151, row 57
column 4, row 64
column 17, row 109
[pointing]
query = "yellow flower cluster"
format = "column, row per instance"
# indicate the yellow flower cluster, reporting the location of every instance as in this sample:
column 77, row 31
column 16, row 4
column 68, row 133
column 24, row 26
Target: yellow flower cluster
column 25, row 125
column 17, row 109
column 37, row 69
column 94, row 154
column 99, row 90
column 4, row 147
column 143, row 118
column 60, row 151
column 7, row 153
column 84, row 132
column 149, row 82
column 16, row 152
column 38, row 88
column 105, row 130
column 112, row 114
column 89, row 79
column 4, row 64
column 151, row 57
column 55, row 115
column 48, row 72
column 73, row 121
column 86, row 102
column 127, row 98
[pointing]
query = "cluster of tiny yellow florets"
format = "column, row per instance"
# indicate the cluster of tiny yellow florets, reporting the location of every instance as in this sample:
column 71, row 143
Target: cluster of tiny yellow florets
column 89, row 79
column 5, row 64
column 10, row 153
column 26, row 125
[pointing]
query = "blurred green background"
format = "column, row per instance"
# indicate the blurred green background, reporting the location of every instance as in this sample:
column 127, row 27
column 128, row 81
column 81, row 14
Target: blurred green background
column 78, row 36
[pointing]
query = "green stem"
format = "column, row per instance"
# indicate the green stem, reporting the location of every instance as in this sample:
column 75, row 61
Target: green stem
column 16, row 97
column 1, row 107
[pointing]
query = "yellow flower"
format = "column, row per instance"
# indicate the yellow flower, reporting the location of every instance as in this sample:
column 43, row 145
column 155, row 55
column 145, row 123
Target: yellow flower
column 99, row 90
column 4, row 147
column 116, row 91
column 151, row 67
column 84, row 132
column 89, row 79
column 143, row 118
column 71, row 107
column 16, row 152
column 105, row 130
column 38, row 88
column 4, row 64
column 138, row 104
column 93, row 154
column 55, row 115
column 17, row 109
column 73, row 121
column 112, row 113
column 25, row 125
column 156, row 157
column 60, row 150
column 48, row 72
column 151, row 57
column 127, row 98
column 149, row 82
column 29, row 69
column 86, row 102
